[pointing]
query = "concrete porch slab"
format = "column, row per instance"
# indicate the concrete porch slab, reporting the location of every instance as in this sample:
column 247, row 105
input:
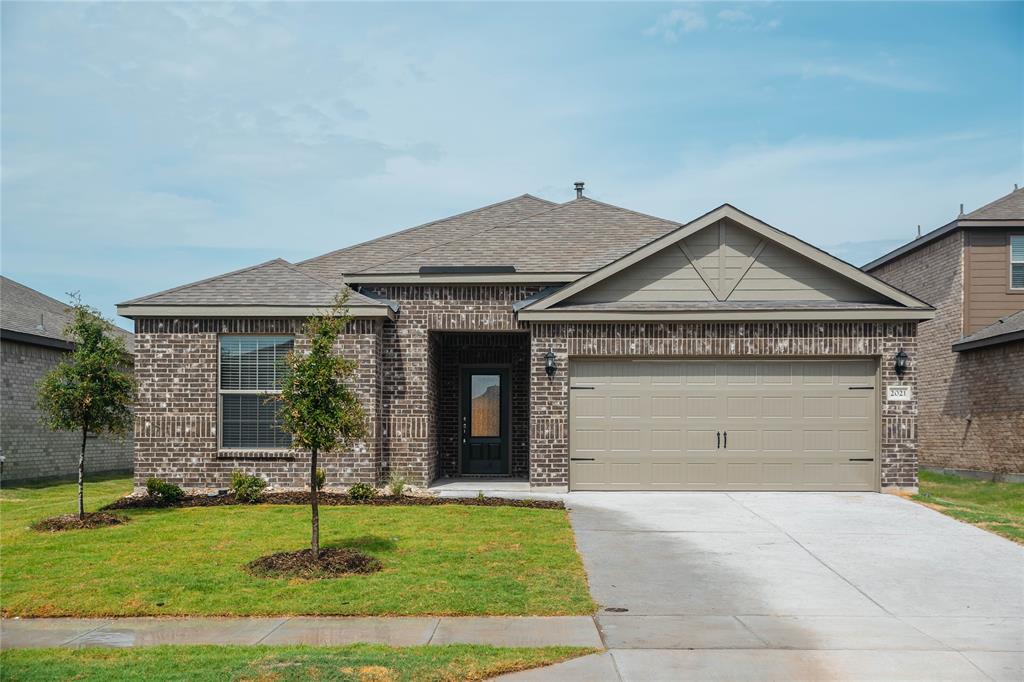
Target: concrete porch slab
column 473, row 485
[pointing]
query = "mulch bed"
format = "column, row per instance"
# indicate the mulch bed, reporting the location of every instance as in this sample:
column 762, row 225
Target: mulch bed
column 333, row 562
column 329, row 499
column 72, row 522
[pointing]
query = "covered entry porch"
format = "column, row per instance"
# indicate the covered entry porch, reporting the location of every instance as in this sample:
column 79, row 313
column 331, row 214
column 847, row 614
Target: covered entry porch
column 481, row 400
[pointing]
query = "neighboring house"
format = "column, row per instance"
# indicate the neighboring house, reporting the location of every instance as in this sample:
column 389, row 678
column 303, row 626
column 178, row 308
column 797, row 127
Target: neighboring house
column 971, row 367
column 625, row 352
column 33, row 342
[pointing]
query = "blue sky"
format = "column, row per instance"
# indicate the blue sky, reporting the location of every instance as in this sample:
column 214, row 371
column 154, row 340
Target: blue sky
column 148, row 145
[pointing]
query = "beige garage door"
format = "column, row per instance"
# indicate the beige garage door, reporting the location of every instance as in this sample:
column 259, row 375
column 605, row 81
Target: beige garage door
column 723, row 425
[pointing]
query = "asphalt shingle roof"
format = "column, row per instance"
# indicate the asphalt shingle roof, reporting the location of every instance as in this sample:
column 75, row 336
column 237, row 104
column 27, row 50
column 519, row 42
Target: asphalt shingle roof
column 1009, row 325
column 378, row 252
column 579, row 236
column 27, row 311
column 1010, row 207
column 274, row 283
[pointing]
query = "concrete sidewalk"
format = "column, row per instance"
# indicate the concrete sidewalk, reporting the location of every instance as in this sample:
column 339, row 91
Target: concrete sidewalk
column 128, row 632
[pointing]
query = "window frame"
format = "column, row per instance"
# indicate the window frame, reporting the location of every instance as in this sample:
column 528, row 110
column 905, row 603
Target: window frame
column 1009, row 256
column 221, row 392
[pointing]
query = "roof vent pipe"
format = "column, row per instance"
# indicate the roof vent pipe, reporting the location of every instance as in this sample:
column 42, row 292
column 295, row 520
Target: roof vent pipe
column 579, row 190
column 918, row 230
column 961, row 209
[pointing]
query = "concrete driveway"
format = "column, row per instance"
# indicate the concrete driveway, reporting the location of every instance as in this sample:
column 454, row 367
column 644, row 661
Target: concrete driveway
column 794, row 586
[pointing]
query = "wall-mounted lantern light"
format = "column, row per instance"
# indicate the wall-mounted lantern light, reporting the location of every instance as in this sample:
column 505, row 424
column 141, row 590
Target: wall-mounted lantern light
column 549, row 364
column 900, row 364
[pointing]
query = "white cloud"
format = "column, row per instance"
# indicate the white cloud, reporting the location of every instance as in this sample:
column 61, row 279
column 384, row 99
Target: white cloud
column 677, row 22
column 734, row 16
column 885, row 76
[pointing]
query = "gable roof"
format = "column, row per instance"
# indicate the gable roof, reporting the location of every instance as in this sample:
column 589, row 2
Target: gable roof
column 544, row 308
column 1004, row 330
column 33, row 317
column 333, row 266
column 576, row 237
column 1006, row 211
column 274, row 287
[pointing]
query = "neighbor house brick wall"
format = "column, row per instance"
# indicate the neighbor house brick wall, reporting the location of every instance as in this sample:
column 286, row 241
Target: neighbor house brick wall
column 549, row 452
column 971, row 403
column 177, row 414
column 30, row 449
column 410, row 436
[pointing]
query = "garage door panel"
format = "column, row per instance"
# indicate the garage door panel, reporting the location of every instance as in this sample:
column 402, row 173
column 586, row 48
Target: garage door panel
column 791, row 425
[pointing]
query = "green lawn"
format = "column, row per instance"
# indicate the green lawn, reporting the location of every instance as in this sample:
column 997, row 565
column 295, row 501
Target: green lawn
column 442, row 560
column 996, row 507
column 357, row 662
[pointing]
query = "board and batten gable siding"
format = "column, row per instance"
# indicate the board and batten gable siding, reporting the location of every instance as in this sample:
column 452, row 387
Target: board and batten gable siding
column 987, row 294
column 726, row 262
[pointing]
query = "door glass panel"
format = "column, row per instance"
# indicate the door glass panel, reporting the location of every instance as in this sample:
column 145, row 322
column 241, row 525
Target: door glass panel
column 485, row 395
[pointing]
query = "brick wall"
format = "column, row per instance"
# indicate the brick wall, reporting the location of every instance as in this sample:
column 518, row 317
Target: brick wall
column 409, row 377
column 971, row 403
column 549, row 449
column 30, row 449
column 176, row 416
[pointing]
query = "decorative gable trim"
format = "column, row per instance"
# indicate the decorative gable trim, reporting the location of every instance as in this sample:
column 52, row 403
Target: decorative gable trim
column 768, row 234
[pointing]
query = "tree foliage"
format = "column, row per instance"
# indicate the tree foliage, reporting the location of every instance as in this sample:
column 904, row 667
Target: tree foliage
column 320, row 408
column 92, row 389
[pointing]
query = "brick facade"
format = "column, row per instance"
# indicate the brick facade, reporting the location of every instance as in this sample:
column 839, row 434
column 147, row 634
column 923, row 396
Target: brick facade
column 30, row 449
column 549, row 440
column 176, row 417
column 409, row 362
column 409, row 373
column 971, row 403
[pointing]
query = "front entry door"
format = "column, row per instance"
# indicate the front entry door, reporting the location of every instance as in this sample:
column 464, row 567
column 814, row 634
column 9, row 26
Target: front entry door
column 484, row 423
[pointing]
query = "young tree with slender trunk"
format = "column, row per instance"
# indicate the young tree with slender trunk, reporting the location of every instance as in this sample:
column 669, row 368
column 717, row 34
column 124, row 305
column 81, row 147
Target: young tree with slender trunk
column 320, row 409
column 92, row 390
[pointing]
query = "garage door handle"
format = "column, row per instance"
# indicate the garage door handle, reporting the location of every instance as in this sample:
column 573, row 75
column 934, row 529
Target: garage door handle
column 581, row 459
column 862, row 459
column 718, row 440
column 582, row 388
column 861, row 388
column 725, row 439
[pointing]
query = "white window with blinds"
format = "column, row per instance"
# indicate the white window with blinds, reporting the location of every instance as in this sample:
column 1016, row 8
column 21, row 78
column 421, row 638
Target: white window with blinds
column 251, row 371
column 1017, row 261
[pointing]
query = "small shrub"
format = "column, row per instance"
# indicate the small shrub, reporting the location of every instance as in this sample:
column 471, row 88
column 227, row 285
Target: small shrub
column 247, row 488
column 362, row 492
column 321, row 479
column 396, row 483
column 164, row 492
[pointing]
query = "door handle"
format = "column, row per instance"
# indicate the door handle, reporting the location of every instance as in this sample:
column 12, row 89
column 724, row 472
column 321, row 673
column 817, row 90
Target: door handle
column 725, row 439
column 718, row 440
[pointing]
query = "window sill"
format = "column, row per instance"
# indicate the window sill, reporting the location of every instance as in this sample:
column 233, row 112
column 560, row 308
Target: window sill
column 256, row 454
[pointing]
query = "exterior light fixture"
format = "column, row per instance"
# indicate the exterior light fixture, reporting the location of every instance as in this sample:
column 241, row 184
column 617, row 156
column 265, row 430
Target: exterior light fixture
column 549, row 364
column 900, row 364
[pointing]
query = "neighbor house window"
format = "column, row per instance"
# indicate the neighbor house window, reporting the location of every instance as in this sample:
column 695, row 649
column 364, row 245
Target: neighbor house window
column 1017, row 261
column 251, row 371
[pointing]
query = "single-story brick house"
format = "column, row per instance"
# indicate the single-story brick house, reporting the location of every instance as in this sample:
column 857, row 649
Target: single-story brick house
column 971, row 366
column 574, row 345
column 32, row 342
